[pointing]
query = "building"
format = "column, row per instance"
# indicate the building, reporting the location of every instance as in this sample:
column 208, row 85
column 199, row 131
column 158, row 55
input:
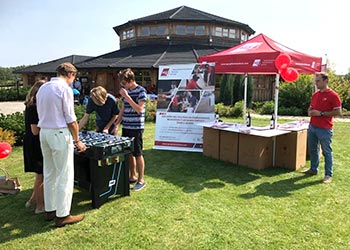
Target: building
column 176, row 36
column 48, row 69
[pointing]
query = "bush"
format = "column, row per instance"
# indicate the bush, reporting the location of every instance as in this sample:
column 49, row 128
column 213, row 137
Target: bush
column 341, row 85
column 229, row 111
column 14, row 122
column 7, row 136
column 296, row 96
column 79, row 112
column 295, row 111
column 237, row 110
column 267, row 108
column 151, row 110
column 10, row 93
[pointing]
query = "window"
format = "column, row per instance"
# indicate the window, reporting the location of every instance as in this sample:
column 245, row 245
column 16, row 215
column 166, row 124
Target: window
column 158, row 30
column 232, row 33
column 244, row 37
column 180, row 30
column 161, row 30
column 153, row 31
column 143, row 77
column 144, row 31
column 189, row 30
column 127, row 34
column 225, row 32
column 218, row 31
column 200, row 30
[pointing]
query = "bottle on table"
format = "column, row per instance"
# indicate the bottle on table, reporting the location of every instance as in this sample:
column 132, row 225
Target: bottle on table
column 249, row 120
column 216, row 118
column 272, row 122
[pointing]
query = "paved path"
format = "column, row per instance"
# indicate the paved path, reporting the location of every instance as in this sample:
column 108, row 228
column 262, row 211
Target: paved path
column 11, row 107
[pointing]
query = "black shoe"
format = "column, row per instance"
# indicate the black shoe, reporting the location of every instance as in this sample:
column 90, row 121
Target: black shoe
column 310, row 172
column 49, row 216
column 132, row 181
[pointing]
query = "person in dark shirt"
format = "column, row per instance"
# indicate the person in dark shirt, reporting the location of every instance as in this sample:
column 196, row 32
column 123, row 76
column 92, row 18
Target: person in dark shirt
column 33, row 157
column 106, row 107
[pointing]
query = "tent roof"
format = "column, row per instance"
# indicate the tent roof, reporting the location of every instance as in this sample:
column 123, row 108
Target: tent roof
column 258, row 55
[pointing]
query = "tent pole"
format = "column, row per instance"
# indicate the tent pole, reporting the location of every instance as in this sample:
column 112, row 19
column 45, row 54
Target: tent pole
column 276, row 98
column 275, row 114
column 245, row 98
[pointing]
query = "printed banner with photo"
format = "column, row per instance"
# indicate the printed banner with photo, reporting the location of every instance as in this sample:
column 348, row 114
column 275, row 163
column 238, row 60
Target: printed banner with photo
column 185, row 98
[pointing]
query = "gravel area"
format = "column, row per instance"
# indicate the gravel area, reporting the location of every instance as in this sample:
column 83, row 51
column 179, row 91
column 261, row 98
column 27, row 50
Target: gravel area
column 11, row 107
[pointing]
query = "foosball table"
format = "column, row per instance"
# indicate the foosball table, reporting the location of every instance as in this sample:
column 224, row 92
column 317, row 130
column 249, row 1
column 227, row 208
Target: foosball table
column 103, row 168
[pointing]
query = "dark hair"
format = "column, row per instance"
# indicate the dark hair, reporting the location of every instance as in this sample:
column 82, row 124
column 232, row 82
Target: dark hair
column 195, row 77
column 324, row 75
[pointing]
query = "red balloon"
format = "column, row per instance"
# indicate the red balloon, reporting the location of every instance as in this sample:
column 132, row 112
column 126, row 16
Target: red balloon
column 290, row 74
column 282, row 61
column 5, row 149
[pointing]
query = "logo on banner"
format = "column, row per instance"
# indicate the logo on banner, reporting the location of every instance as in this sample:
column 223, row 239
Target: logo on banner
column 248, row 47
column 165, row 72
column 256, row 62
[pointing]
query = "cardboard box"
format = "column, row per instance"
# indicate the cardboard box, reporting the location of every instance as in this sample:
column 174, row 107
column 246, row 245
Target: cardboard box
column 211, row 142
column 229, row 146
column 291, row 150
column 255, row 151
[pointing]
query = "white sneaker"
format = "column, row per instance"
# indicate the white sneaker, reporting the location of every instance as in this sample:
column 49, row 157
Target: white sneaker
column 327, row 179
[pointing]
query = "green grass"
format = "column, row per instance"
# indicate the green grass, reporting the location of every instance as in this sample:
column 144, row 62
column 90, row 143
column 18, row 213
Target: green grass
column 195, row 202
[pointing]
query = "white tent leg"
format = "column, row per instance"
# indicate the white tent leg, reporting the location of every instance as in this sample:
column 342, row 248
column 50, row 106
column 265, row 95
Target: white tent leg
column 245, row 98
column 276, row 98
column 275, row 114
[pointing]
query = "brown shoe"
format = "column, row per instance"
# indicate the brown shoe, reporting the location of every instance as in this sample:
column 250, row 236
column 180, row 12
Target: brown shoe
column 49, row 216
column 309, row 171
column 70, row 219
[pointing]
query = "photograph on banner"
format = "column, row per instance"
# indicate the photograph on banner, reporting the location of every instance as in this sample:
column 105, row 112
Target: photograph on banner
column 185, row 98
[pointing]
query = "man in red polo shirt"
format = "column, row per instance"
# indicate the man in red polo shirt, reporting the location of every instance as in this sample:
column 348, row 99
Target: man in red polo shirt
column 325, row 104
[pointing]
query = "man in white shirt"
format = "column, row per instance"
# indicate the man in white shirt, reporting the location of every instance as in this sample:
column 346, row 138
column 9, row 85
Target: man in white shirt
column 58, row 131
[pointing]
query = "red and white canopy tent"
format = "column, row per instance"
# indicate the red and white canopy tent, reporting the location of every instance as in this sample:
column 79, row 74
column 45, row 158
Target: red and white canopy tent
column 258, row 56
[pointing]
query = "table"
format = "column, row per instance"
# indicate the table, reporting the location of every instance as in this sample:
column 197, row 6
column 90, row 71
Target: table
column 103, row 169
column 256, row 147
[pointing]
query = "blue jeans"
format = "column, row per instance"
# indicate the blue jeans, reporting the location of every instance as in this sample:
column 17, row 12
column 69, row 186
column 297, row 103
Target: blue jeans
column 320, row 136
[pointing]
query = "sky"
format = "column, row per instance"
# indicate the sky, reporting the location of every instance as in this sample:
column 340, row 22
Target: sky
column 37, row 31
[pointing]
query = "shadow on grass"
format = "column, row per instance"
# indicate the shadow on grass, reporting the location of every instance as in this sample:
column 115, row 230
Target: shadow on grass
column 281, row 188
column 194, row 171
column 14, row 216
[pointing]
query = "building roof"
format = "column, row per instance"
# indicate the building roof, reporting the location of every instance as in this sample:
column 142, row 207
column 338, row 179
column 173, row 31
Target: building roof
column 184, row 14
column 149, row 56
column 50, row 67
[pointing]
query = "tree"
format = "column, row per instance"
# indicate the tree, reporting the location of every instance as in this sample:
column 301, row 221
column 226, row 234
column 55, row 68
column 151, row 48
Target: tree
column 7, row 77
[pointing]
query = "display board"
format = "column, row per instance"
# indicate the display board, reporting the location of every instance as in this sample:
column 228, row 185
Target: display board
column 185, row 98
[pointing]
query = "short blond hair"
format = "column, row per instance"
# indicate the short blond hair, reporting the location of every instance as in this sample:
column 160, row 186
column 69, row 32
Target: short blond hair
column 99, row 95
column 126, row 75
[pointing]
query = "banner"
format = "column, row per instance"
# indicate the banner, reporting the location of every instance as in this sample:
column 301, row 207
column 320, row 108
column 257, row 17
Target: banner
column 185, row 98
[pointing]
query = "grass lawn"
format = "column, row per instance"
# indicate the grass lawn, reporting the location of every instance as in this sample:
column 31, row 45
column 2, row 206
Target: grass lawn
column 195, row 202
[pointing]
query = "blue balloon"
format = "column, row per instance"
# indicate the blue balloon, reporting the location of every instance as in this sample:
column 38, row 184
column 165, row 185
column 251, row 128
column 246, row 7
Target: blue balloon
column 76, row 92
